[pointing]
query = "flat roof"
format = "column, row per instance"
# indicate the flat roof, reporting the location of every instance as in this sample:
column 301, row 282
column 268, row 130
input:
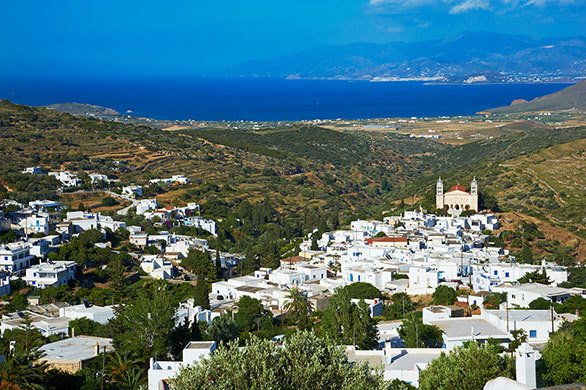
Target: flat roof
column 75, row 348
column 523, row 315
column 542, row 289
column 200, row 344
column 464, row 328
column 407, row 360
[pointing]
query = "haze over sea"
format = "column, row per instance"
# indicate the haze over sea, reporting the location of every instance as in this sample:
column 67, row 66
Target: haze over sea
column 215, row 99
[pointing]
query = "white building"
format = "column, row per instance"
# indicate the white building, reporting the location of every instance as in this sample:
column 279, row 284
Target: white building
column 157, row 267
column 458, row 330
column 15, row 257
column 96, row 178
column 457, row 199
column 524, row 294
column 4, row 283
column 537, row 324
column 50, row 274
column 33, row 170
column 36, row 223
column 48, row 326
column 67, row 178
column 161, row 371
column 91, row 312
column 202, row 223
column 132, row 191
column 145, row 205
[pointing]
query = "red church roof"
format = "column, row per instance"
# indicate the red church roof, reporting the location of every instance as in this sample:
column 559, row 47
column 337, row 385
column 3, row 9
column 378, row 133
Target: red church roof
column 458, row 188
column 386, row 239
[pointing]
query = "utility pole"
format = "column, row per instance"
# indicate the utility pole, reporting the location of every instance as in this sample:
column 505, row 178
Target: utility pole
column 507, row 310
column 551, row 313
column 103, row 366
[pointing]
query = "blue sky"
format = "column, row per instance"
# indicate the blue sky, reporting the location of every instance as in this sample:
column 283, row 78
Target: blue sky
column 186, row 37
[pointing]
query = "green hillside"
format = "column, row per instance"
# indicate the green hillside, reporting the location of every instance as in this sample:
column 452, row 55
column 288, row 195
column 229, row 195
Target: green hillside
column 308, row 175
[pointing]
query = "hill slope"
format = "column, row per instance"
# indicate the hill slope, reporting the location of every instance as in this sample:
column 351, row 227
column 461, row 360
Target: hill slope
column 455, row 59
column 570, row 98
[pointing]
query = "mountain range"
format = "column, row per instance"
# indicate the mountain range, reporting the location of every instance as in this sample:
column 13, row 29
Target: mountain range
column 470, row 57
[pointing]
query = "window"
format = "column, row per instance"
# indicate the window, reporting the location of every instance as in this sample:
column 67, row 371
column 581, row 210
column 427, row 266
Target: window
column 351, row 277
column 506, row 274
column 359, row 278
column 532, row 334
column 496, row 272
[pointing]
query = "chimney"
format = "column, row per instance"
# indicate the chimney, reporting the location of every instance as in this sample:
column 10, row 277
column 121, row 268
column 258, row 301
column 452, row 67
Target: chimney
column 525, row 358
column 97, row 349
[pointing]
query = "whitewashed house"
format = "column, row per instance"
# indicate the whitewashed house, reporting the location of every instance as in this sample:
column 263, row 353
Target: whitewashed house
column 50, row 274
column 67, row 178
column 524, row 294
column 100, row 314
column 132, row 191
column 157, row 267
column 4, row 283
column 15, row 257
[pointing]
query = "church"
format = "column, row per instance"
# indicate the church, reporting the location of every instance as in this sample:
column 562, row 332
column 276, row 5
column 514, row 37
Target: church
column 457, row 199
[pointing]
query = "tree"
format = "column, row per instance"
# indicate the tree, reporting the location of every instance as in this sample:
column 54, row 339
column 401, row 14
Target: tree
column 400, row 305
column 564, row 356
column 444, row 295
column 349, row 323
column 495, row 299
column 148, row 321
column 526, row 256
column 84, row 326
column 108, row 201
column 361, row 290
column 119, row 363
column 250, row 311
column 415, row 334
column 218, row 265
column 202, row 293
column 466, row 368
column 314, row 245
column 223, row 329
column 535, row 277
column 306, row 361
column 540, row 304
column 519, row 337
column 298, row 306
column 18, row 372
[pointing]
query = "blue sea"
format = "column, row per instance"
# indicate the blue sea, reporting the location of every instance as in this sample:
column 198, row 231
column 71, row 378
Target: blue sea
column 216, row 99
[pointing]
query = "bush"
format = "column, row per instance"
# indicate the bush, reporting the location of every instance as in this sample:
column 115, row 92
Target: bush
column 108, row 201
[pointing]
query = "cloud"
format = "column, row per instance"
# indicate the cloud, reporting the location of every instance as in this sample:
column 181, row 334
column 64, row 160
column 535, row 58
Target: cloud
column 470, row 5
column 463, row 6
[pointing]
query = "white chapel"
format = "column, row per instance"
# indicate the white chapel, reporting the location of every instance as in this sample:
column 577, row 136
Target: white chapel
column 457, row 199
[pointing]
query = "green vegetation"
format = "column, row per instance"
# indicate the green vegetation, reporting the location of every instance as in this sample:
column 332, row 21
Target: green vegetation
column 305, row 362
column 415, row 334
column 466, row 368
column 444, row 295
column 564, row 356
column 362, row 290
column 349, row 323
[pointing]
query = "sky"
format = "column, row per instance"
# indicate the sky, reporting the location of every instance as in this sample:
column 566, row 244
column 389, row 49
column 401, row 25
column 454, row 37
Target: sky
column 89, row 38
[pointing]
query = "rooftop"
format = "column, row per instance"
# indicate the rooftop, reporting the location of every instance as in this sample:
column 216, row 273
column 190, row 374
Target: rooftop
column 75, row 348
column 408, row 358
column 542, row 289
column 470, row 327
column 200, row 344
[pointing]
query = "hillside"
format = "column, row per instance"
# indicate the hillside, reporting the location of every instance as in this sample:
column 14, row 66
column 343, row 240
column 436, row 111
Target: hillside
column 570, row 98
column 83, row 109
column 456, row 59
column 307, row 173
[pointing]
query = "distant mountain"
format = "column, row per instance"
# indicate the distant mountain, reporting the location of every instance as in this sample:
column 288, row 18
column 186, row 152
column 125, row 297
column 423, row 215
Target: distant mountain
column 570, row 98
column 470, row 57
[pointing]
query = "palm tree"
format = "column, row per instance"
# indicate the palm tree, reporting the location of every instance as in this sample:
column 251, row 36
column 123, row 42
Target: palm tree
column 298, row 305
column 120, row 363
column 131, row 380
column 17, row 372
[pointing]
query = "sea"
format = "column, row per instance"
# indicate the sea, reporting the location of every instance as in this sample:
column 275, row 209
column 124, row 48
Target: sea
column 263, row 99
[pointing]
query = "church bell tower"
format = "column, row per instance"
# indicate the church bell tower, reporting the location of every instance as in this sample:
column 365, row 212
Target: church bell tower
column 439, row 194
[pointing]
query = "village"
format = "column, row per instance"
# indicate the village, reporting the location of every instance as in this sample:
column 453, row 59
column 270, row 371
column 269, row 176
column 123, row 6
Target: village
column 415, row 254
